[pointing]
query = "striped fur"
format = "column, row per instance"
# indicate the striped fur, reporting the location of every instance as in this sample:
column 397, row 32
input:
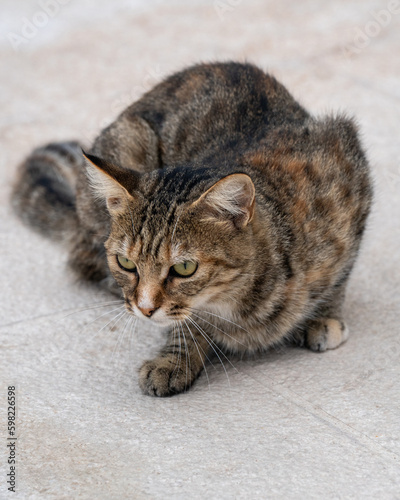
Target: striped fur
column 220, row 166
column 45, row 191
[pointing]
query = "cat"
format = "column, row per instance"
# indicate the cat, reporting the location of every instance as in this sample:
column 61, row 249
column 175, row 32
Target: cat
column 218, row 207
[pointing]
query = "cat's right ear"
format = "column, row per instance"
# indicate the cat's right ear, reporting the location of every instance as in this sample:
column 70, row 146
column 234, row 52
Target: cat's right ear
column 109, row 183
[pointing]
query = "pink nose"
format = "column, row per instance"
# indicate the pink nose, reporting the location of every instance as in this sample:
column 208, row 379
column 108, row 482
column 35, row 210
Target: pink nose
column 147, row 311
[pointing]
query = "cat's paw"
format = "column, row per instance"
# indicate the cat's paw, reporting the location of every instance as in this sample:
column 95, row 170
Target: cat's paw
column 325, row 333
column 163, row 377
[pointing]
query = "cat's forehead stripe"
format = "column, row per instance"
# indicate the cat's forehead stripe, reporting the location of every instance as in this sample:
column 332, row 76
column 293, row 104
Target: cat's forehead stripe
column 156, row 223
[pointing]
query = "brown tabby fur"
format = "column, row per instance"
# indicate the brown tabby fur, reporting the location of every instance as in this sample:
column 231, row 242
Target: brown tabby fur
column 270, row 267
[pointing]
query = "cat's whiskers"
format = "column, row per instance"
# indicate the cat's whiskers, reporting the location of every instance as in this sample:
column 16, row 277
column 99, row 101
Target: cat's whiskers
column 177, row 336
column 132, row 321
column 197, row 345
column 210, row 341
column 177, row 332
column 120, row 338
column 104, row 314
column 178, row 358
column 88, row 339
column 174, row 336
column 116, row 318
column 187, row 355
column 113, row 322
column 218, row 316
column 89, row 307
column 219, row 329
column 202, row 350
column 132, row 331
column 213, row 346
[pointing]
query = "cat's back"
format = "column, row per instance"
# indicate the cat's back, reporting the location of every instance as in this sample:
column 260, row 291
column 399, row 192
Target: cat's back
column 210, row 106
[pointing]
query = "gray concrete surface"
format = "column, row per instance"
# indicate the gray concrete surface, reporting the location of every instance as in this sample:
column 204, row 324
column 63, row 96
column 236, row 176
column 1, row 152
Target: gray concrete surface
column 290, row 424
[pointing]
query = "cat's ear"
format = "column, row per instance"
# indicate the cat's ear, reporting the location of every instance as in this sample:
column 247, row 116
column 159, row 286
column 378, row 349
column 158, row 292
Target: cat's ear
column 230, row 200
column 109, row 183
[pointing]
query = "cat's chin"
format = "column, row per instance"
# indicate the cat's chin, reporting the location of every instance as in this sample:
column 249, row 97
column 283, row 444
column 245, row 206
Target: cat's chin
column 161, row 322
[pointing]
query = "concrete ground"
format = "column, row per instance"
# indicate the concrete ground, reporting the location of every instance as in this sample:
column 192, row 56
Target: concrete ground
column 288, row 425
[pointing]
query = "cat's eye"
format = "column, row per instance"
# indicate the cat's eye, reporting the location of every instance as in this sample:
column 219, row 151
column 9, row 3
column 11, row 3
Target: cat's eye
column 126, row 264
column 184, row 269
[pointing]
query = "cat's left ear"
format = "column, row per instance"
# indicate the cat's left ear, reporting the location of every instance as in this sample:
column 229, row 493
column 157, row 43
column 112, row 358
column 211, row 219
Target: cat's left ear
column 230, row 200
column 110, row 183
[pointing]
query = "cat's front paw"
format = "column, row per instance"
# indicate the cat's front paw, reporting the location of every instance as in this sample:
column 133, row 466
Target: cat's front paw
column 164, row 377
column 325, row 333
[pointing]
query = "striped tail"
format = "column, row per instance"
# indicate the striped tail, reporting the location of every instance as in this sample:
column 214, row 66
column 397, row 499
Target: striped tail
column 44, row 195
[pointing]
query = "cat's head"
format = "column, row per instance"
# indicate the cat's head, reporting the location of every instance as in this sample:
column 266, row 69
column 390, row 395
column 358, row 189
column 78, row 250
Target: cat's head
column 180, row 240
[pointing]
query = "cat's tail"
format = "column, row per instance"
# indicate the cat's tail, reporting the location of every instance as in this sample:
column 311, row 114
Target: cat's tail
column 44, row 196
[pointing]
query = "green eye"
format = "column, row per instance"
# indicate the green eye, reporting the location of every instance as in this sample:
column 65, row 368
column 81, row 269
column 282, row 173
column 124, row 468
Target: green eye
column 125, row 263
column 185, row 269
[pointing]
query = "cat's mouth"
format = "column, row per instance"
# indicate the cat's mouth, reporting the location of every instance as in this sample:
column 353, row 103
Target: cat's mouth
column 158, row 317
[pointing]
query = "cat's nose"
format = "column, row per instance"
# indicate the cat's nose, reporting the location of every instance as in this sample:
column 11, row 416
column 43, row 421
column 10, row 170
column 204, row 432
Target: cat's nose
column 148, row 311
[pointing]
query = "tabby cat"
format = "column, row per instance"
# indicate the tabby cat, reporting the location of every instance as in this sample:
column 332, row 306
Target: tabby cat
column 219, row 208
